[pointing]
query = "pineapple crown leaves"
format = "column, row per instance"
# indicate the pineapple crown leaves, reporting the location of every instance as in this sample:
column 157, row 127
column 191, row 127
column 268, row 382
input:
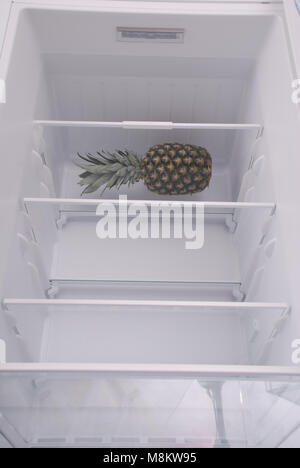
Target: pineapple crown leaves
column 109, row 170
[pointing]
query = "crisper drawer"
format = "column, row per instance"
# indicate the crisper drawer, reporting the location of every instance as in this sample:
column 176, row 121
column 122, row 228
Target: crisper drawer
column 94, row 406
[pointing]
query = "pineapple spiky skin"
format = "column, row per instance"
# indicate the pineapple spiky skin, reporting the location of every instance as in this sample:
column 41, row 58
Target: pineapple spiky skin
column 167, row 169
column 176, row 169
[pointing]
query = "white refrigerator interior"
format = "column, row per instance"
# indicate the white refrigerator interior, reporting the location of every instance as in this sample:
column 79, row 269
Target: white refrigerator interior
column 141, row 342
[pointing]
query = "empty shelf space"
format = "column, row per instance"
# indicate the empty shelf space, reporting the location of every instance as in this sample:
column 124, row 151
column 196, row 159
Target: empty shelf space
column 79, row 253
column 65, row 230
column 148, row 332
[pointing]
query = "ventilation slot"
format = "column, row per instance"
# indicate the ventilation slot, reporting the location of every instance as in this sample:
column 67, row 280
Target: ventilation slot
column 150, row 34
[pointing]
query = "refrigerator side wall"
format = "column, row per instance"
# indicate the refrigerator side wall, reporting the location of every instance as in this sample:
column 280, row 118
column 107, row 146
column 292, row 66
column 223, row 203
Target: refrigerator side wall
column 20, row 68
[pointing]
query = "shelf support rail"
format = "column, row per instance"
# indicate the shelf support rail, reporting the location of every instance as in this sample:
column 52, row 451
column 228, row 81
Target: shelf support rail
column 149, row 125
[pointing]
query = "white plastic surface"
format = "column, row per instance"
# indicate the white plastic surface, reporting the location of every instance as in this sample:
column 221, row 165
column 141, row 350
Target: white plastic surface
column 4, row 16
column 222, row 73
column 2, row 352
column 5, row 7
column 293, row 22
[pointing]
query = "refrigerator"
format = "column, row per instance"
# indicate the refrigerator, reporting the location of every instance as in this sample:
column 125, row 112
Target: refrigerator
column 138, row 341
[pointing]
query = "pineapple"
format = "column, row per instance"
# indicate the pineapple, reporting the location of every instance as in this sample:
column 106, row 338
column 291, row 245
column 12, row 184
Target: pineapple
column 166, row 169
